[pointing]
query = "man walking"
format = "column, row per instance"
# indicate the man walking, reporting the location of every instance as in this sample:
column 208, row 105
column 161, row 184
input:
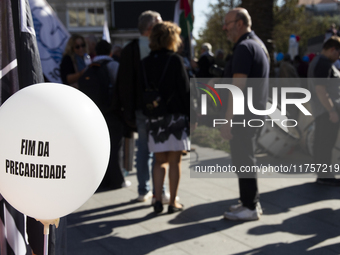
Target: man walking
column 325, row 101
column 250, row 59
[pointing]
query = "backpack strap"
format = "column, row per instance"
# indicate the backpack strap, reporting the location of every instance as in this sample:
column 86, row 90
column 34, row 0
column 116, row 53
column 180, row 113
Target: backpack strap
column 100, row 63
column 103, row 61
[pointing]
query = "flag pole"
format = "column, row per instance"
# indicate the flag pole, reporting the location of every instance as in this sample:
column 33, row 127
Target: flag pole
column 189, row 38
column 46, row 244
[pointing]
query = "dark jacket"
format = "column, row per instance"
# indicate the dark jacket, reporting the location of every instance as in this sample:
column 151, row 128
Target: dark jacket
column 174, row 87
column 66, row 68
column 204, row 64
column 127, row 96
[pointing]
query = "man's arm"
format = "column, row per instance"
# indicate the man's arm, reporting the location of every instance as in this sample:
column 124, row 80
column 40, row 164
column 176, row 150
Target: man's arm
column 326, row 102
column 239, row 80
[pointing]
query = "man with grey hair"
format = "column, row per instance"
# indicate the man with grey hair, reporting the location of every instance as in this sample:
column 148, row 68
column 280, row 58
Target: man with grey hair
column 205, row 61
column 219, row 58
column 206, row 47
column 129, row 95
column 249, row 60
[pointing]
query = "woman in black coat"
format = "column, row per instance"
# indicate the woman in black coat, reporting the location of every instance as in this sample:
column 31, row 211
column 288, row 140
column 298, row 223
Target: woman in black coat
column 168, row 131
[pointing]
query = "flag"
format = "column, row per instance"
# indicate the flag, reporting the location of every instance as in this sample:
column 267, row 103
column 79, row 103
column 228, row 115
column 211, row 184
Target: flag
column 19, row 67
column 20, row 62
column 52, row 38
column 106, row 33
column 13, row 238
column 183, row 17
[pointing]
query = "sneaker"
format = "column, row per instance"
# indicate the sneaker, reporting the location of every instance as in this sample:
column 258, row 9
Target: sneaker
column 165, row 198
column 328, row 181
column 242, row 213
column 233, row 208
column 126, row 184
column 143, row 198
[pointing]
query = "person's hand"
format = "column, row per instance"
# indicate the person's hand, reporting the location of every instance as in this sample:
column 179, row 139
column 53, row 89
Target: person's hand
column 333, row 116
column 226, row 132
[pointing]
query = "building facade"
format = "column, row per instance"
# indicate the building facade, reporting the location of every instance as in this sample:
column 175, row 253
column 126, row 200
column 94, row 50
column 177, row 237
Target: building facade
column 322, row 7
column 87, row 17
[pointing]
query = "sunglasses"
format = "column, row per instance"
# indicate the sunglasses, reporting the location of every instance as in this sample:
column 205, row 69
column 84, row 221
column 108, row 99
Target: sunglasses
column 77, row 47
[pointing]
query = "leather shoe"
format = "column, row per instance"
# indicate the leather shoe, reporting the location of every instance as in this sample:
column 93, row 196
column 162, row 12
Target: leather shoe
column 158, row 207
column 173, row 209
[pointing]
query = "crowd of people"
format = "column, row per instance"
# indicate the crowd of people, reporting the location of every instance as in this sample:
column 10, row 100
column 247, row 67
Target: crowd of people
column 147, row 68
column 149, row 94
column 144, row 88
column 154, row 65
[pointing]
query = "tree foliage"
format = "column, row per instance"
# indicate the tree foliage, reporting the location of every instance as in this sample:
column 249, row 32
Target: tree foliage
column 292, row 19
column 213, row 32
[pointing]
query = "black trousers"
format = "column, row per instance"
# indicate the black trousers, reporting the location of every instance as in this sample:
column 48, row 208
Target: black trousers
column 242, row 147
column 325, row 136
column 114, row 178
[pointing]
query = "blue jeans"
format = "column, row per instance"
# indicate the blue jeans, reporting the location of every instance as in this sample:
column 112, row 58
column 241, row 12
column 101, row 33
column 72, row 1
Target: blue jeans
column 143, row 156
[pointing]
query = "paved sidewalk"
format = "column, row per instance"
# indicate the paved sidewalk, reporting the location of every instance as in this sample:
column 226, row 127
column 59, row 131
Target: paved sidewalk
column 300, row 217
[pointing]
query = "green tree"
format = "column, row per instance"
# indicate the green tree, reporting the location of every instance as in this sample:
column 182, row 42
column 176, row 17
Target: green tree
column 293, row 19
column 213, row 32
column 272, row 23
column 289, row 19
column 262, row 19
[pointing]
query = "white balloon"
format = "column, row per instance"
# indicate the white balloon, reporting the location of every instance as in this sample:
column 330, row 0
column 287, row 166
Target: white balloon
column 54, row 150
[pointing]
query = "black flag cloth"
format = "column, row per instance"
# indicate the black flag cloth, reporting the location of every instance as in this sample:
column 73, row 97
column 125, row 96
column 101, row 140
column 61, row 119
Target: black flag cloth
column 20, row 62
column 19, row 67
column 13, row 237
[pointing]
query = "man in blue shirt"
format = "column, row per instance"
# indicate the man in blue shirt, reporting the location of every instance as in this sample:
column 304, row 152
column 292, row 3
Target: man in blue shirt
column 250, row 59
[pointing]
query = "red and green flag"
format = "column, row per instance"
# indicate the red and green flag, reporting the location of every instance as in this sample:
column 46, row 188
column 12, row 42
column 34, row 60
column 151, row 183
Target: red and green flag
column 183, row 17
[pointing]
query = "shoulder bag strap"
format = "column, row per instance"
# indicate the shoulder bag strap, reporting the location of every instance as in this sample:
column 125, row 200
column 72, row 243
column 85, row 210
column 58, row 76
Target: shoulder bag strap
column 162, row 76
column 165, row 69
column 144, row 75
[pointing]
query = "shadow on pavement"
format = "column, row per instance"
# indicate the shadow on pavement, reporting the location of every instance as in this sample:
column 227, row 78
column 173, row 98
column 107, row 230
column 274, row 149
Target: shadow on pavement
column 90, row 228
